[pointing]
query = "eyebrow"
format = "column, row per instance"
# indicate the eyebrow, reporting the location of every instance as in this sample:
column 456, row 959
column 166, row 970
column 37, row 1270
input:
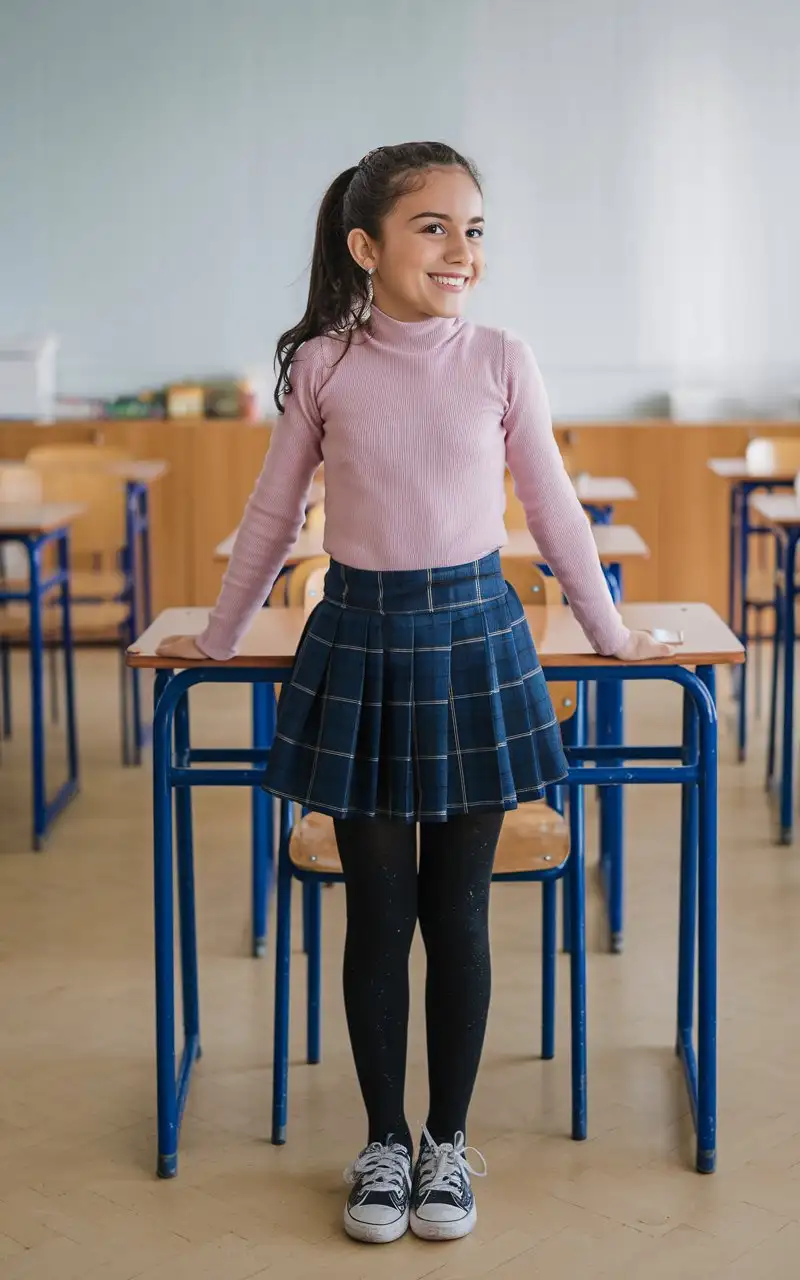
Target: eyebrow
column 443, row 217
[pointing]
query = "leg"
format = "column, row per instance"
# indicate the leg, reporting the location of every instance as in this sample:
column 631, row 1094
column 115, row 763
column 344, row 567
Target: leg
column 744, row 551
column 575, row 889
column 52, row 662
column 455, row 873
column 379, row 861
column 313, row 908
column 168, row 1118
column 775, row 675
column 37, row 707
column 787, row 782
column 283, row 960
column 262, row 821
column 549, row 969
column 144, row 534
column 69, row 660
column 186, row 901
column 688, row 882
column 707, row 937
column 5, row 675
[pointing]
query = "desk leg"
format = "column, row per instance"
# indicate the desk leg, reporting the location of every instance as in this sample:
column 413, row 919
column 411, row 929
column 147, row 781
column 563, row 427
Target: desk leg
column 283, row 959
column 262, row 818
column 168, row 1119
column 69, row 661
column 186, row 896
column 5, row 676
column 144, row 534
column 777, row 643
column 611, row 732
column 787, row 779
column 575, row 886
column 36, row 656
column 744, row 550
column 733, row 524
column 687, row 928
column 707, row 936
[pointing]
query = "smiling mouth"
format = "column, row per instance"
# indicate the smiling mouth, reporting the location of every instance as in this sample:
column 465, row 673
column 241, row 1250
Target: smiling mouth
column 451, row 284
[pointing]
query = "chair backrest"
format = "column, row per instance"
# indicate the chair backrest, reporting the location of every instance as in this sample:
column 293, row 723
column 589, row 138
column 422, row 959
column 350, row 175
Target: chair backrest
column 315, row 588
column 531, row 585
column 76, row 455
column 296, row 591
column 315, row 518
column 774, row 453
column 99, row 535
column 20, row 483
column 535, row 589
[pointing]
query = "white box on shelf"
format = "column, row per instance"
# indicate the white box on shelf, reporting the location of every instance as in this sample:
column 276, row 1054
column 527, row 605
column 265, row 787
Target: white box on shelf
column 28, row 378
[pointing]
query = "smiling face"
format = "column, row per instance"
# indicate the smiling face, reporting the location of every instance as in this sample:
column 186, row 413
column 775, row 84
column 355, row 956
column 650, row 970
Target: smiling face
column 429, row 256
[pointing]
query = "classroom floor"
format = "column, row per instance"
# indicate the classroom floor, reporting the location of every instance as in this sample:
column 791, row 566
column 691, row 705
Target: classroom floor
column 78, row 1195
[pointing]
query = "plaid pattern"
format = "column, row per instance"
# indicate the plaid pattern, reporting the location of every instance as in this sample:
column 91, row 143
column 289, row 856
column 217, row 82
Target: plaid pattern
column 416, row 695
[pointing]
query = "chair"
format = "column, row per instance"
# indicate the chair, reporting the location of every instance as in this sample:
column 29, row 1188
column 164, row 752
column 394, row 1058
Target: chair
column 534, row 845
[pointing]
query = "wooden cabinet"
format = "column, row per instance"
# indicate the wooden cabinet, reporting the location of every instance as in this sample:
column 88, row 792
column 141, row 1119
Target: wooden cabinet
column 681, row 511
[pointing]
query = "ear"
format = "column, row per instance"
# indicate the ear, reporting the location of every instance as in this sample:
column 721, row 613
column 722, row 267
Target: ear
column 362, row 249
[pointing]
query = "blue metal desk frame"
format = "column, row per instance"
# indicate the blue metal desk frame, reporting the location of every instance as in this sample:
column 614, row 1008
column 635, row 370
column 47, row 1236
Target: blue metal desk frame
column 46, row 811
column 787, row 537
column 692, row 765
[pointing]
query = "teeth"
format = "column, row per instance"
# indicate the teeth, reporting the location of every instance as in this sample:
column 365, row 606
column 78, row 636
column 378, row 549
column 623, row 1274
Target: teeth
column 457, row 281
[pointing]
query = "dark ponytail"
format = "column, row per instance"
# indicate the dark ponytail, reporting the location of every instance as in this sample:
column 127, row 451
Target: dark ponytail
column 339, row 292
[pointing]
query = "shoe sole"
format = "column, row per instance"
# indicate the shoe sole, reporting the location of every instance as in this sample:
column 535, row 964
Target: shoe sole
column 443, row 1230
column 374, row 1233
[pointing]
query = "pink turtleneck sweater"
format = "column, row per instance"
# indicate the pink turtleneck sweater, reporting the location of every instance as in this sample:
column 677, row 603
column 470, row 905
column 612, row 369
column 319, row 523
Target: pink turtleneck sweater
column 415, row 427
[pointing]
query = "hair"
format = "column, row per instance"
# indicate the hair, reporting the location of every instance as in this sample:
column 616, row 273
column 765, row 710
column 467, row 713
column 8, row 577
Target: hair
column 340, row 293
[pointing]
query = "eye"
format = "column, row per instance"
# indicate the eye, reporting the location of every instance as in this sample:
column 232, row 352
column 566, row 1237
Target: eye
column 476, row 233
column 434, row 228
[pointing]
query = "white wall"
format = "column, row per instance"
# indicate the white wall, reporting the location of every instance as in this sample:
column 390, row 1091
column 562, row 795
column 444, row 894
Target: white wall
column 160, row 163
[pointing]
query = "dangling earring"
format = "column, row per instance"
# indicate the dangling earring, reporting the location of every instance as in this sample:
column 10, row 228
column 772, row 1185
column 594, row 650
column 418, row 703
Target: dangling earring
column 370, row 289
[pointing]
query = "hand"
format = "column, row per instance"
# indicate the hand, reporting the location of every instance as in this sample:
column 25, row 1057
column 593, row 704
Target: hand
column 182, row 647
column 641, row 647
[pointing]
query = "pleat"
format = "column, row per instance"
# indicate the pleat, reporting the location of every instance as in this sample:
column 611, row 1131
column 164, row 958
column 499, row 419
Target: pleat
column 362, row 795
column 397, row 780
column 436, row 744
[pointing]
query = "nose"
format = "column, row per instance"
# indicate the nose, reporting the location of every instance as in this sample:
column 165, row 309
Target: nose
column 460, row 251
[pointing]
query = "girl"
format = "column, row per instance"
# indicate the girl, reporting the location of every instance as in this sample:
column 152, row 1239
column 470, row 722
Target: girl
column 416, row 695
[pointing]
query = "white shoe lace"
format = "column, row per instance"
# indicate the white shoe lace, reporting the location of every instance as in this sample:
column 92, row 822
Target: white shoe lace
column 381, row 1168
column 443, row 1167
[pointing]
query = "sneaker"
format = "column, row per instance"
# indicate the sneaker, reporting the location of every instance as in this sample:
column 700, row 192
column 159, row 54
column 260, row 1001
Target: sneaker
column 377, row 1207
column 442, row 1203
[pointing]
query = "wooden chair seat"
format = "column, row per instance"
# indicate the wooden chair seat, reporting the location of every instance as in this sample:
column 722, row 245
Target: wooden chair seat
column 89, row 621
column 534, row 838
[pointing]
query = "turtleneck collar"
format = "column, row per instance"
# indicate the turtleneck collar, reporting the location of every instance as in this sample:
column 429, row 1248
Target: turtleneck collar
column 418, row 335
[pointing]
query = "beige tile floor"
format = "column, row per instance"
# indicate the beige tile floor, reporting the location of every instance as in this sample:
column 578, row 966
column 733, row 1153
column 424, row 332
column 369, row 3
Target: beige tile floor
column 78, row 1197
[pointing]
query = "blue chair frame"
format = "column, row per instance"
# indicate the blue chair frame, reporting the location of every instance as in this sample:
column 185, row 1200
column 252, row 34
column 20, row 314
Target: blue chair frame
column 692, row 765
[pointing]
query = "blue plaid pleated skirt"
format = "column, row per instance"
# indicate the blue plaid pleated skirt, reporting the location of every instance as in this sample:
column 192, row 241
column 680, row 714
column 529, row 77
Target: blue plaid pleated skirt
column 416, row 695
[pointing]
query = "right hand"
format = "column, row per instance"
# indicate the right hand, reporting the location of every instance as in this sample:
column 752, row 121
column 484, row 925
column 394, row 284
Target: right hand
column 641, row 647
column 183, row 647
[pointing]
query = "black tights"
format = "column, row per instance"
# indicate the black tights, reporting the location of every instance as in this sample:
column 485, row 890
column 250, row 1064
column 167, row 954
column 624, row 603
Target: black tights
column 386, row 894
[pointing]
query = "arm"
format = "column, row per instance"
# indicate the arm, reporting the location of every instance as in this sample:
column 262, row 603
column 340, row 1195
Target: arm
column 274, row 513
column 555, row 516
